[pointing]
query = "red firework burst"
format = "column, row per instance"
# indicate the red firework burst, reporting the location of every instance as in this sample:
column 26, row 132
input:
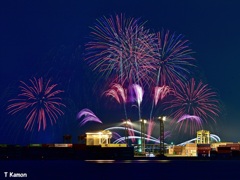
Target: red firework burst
column 194, row 99
column 40, row 101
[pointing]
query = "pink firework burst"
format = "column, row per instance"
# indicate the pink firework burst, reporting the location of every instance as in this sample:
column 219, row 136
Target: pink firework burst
column 41, row 102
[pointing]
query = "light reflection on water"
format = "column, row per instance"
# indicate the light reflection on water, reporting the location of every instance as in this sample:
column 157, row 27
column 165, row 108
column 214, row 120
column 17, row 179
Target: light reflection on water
column 128, row 161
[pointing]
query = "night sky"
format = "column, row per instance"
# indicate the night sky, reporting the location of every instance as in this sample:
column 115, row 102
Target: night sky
column 47, row 38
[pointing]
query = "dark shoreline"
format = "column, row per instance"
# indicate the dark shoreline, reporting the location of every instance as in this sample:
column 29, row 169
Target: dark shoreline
column 95, row 153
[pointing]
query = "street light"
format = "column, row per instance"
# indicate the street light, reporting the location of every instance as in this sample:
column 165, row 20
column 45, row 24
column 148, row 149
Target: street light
column 126, row 123
column 161, row 140
column 143, row 122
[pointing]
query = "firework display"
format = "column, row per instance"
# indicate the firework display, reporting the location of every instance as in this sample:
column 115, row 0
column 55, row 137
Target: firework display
column 88, row 116
column 137, row 64
column 197, row 100
column 41, row 102
column 123, row 47
column 112, row 50
column 119, row 94
column 160, row 93
column 150, row 127
column 193, row 122
column 173, row 57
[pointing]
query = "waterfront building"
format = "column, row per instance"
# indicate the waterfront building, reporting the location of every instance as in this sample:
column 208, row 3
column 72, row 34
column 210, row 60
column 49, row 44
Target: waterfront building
column 203, row 137
column 98, row 138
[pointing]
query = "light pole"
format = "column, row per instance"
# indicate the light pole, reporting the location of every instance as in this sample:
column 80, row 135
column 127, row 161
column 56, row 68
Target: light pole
column 126, row 123
column 143, row 122
column 161, row 140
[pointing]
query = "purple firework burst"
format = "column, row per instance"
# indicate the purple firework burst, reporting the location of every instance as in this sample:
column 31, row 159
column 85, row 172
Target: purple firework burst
column 88, row 116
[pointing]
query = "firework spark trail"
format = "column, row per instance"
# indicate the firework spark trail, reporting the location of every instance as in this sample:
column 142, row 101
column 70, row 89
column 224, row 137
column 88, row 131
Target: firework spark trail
column 152, row 139
column 122, row 47
column 121, row 91
column 120, row 94
column 173, row 57
column 190, row 119
column 159, row 94
column 41, row 102
column 123, row 128
column 151, row 125
column 193, row 99
column 114, row 94
column 115, row 135
column 138, row 91
column 88, row 116
column 187, row 116
column 120, row 139
column 131, row 131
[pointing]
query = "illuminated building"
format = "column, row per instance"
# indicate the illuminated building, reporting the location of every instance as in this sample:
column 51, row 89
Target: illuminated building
column 98, row 138
column 214, row 146
column 203, row 137
column 176, row 150
column 191, row 149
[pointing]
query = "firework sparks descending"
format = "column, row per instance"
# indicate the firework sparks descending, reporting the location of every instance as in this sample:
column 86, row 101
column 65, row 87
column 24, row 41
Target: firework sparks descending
column 41, row 102
column 187, row 116
column 123, row 48
column 88, row 116
column 131, row 133
column 193, row 99
column 118, row 93
column 114, row 94
column 193, row 122
column 167, row 134
column 173, row 56
column 138, row 91
column 151, row 125
column 160, row 93
column 131, row 130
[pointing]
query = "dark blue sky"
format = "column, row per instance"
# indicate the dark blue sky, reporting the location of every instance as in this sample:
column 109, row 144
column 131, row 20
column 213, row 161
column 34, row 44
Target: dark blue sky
column 34, row 35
